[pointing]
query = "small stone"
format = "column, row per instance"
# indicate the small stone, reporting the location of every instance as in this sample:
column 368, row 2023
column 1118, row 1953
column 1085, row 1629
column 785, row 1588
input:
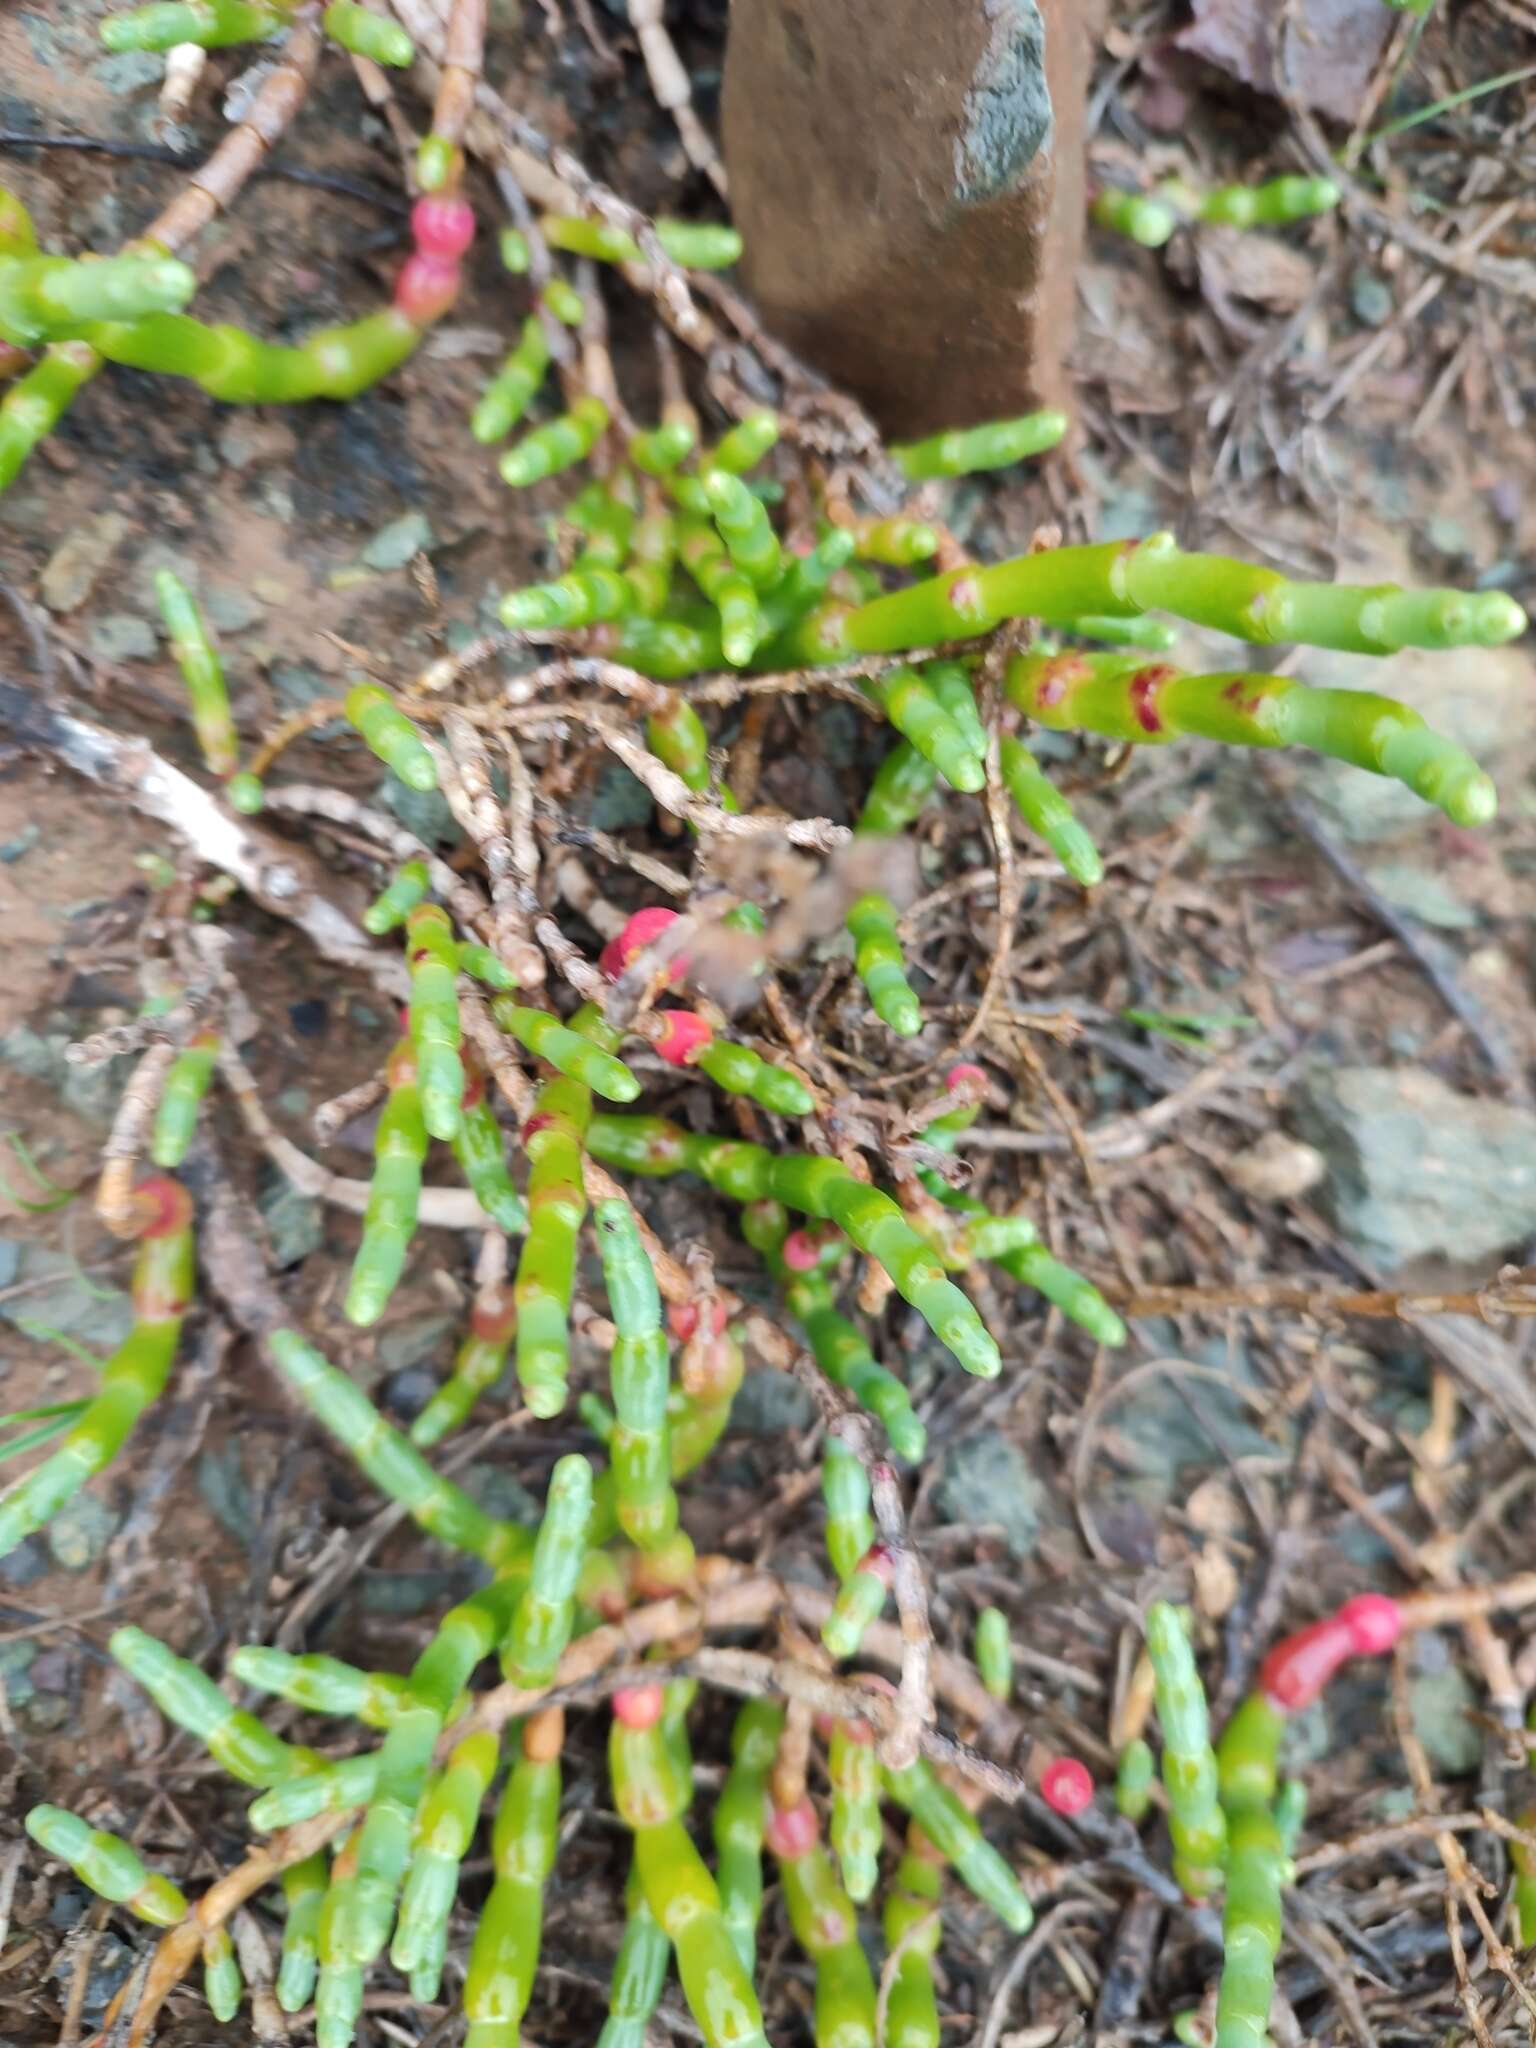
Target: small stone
column 271, row 591
column 294, row 1222
column 1442, row 1705
column 121, row 636
column 619, row 799
column 26, row 1563
column 293, row 1101
column 229, row 608
column 770, row 1404
column 1370, row 299
column 1417, row 1169
column 297, row 685
column 226, row 1491
column 16, row 1660
column 248, row 440
column 80, row 1532
column 46, row 1711
column 13, row 850
column 985, row 1482
column 70, row 574
column 395, row 545
column 1277, row 1168
column 127, row 70
column 417, row 1340
column 422, row 811
column 111, row 1960
column 495, row 1489
column 50, row 1289
column 1423, row 893
column 404, row 1394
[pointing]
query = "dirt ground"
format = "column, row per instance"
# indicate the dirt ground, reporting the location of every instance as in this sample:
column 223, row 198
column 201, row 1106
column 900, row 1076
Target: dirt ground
column 1323, row 399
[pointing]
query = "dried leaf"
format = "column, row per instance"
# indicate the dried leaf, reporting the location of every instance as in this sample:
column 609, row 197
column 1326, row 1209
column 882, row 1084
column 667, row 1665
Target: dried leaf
column 1333, row 46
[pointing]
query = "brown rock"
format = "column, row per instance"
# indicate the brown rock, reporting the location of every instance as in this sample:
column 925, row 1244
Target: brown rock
column 908, row 180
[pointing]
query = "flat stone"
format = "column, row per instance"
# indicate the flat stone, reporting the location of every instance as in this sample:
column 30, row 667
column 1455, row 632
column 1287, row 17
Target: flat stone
column 70, row 573
column 80, row 1532
column 986, row 1482
column 918, row 242
column 770, row 1404
column 396, row 544
column 121, row 636
column 294, row 1222
column 1417, row 1169
column 1424, row 893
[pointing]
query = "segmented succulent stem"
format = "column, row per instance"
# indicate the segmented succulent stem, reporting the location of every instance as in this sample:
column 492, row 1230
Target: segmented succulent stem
column 436, row 1035
column 743, row 524
column 394, row 1193
column 881, row 965
column 638, row 1375
column 1196, row 1821
column 135, row 1375
column 400, row 896
column 696, row 245
column 994, row 1652
column 390, row 735
column 639, row 1972
column 558, row 445
column 658, row 450
column 505, row 1955
column 854, row 1774
column 35, row 403
column 1046, row 812
column 911, row 1925
column 860, row 1599
column 304, row 1888
column 59, row 298
column 823, row 1188
column 395, row 1466
column 740, row 1814
column 1134, row 1771
column 222, row 1982
column 651, row 1794
column 480, row 1149
column 955, row 1832
column 845, row 1494
column 545, row 1613
column 514, row 387
column 909, row 701
column 902, row 784
column 567, row 1051
column 189, row 1697
column 744, row 445
column 1148, row 704
column 1124, row 578
column 450, row 1813
column 480, row 1362
column 485, row 966
column 546, row 1269
column 106, row 1865
column 322, row 1685
column 993, row 446
column 826, row 1927
column 240, row 369
column 1247, row 1770
column 366, row 34
column 210, row 24
column 732, row 592
column 202, row 672
column 339, row 1994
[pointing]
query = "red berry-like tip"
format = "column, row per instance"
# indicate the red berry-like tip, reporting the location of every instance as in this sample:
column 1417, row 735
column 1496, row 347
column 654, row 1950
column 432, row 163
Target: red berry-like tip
column 792, row 1831
column 964, row 1073
column 1066, row 1786
column 426, row 287
column 878, row 1563
column 801, row 1254
column 165, row 1202
column 443, row 227
column 683, row 1319
column 474, row 1088
column 642, row 930
column 638, row 1706
column 683, row 1033
column 1374, row 1621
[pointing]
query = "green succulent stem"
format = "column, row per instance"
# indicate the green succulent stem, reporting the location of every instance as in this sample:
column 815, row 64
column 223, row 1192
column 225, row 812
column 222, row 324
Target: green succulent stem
column 1150, row 703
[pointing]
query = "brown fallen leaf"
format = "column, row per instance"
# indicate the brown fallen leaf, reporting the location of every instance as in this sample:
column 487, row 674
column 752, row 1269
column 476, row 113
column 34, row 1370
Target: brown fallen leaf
column 1334, row 46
